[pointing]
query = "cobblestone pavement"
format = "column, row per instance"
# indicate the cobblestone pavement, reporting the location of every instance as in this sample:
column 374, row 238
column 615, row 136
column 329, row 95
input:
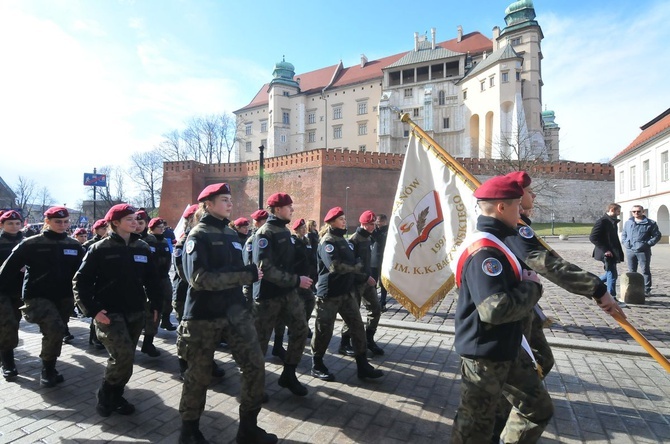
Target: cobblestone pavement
column 600, row 396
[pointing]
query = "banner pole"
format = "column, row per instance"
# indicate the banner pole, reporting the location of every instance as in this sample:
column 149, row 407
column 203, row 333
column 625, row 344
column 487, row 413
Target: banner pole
column 624, row 323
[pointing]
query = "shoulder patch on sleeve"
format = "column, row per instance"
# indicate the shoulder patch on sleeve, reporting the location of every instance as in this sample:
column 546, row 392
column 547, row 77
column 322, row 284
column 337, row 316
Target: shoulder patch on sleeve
column 250, row 247
column 329, row 248
column 351, row 246
column 526, row 232
column 262, row 242
column 190, row 246
column 177, row 252
column 492, row 267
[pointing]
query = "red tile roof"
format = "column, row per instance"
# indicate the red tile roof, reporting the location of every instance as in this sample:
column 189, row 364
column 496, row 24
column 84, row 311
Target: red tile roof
column 312, row 81
column 650, row 130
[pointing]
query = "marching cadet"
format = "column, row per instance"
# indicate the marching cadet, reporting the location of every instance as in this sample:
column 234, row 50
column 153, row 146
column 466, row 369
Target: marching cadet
column 241, row 226
column 80, row 235
column 259, row 217
column 276, row 294
column 378, row 244
column 366, row 286
column 163, row 256
column 336, row 293
column 180, row 287
column 213, row 267
column 305, row 265
column 99, row 230
column 10, row 294
column 495, row 295
column 51, row 259
column 112, row 287
column 151, row 324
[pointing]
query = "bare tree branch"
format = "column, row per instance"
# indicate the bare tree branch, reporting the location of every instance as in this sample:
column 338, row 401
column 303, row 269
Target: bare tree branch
column 24, row 191
column 147, row 172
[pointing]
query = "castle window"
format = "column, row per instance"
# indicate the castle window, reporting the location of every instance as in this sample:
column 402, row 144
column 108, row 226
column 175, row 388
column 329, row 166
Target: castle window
column 415, row 112
column 264, row 142
column 362, row 129
column 492, row 82
column 311, row 136
column 440, row 98
column 515, row 41
column 645, row 173
column 264, row 127
column 361, row 148
column 622, row 183
column 445, row 123
column 337, row 132
column 632, row 178
column 337, row 112
column 286, row 94
column 518, row 76
column 282, row 138
column 482, row 86
column 285, row 118
column 362, row 108
column 247, row 147
column 408, row 92
column 664, row 166
column 504, row 77
column 311, row 118
column 247, row 129
column 465, row 94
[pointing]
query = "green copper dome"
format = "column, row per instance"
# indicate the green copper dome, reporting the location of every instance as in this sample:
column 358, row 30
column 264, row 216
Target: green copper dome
column 516, row 6
column 284, row 73
column 548, row 117
column 520, row 12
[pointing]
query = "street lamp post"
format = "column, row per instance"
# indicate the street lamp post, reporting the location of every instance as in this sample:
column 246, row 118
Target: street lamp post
column 346, row 201
column 553, row 208
column 260, row 177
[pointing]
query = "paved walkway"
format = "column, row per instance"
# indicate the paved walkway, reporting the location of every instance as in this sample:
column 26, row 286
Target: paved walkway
column 600, row 396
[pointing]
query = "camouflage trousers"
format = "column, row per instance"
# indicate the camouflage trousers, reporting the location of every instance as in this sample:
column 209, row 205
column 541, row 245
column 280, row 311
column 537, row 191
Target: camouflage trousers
column 483, row 382
column 327, row 308
column 199, row 339
column 150, row 325
column 290, row 310
column 179, row 312
column 10, row 316
column 374, row 308
column 120, row 338
column 52, row 318
column 309, row 302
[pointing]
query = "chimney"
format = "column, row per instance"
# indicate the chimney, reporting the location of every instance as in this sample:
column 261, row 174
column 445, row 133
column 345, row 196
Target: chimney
column 364, row 60
column 416, row 41
column 496, row 35
column 432, row 37
column 460, row 34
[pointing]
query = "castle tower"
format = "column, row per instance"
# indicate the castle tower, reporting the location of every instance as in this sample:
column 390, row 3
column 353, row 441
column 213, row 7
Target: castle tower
column 551, row 130
column 281, row 116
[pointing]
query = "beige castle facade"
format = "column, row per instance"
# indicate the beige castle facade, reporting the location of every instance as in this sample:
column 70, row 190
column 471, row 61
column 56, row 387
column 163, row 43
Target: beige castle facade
column 477, row 96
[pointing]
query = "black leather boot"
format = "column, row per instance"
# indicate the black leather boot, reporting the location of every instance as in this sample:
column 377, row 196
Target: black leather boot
column 9, row 371
column 104, row 407
column 345, row 346
column 190, row 433
column 50, row 376
column 217, row 372
column 372, row 345
column 167, row 324
column 290, row 381
column 119, row 403
column 319, row 369
column 148, row 346
column 365, row 370
column 278, row 349
column 250, row 433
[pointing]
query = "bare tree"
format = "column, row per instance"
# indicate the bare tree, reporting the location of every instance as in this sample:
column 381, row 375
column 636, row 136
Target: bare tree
column 113, row 193
column 172, row 147
column 44, row 198
column 147, row 172
column 25, row 190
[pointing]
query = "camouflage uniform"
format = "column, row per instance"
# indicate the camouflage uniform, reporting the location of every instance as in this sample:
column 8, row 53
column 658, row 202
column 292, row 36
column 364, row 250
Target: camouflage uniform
column 51, row 260
column 215, row 305
column 492, row 303
column 118, row 278
column 362, row 247
column 335, row 291
column 276, row 294
column 163, row 257
column 151, row 324
column 10, row 297
column 179, row 283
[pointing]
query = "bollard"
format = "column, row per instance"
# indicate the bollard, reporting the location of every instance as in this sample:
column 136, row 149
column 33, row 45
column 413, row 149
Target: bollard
column 632, row 288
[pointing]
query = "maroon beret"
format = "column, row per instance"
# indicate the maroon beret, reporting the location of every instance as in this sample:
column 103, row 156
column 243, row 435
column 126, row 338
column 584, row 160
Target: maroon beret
column 79, row 231
column 241, row 222
column 142, row 215
column 333, row 214
column 259, row 215
column 119, row 211
column 100, row 223
column 297, row 224
column 56, row 213
column 520, row 177
column 155, row 221
column 213, row 190
column 190, row 211
column 279, row 200
column 499, row 187
column 368, row 217
column 10, row 215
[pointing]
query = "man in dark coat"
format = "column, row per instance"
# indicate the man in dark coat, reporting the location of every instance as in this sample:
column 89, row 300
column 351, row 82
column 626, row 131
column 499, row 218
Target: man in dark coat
column 607, row 245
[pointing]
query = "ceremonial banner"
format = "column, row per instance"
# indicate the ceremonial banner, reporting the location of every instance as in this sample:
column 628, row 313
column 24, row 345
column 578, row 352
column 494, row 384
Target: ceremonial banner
column 432, row 213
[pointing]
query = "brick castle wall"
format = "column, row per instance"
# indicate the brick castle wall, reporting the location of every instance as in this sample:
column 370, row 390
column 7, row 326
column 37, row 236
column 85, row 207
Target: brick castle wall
column 317, row 180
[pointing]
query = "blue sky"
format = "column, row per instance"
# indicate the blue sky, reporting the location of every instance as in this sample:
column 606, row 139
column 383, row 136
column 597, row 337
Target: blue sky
column 86, row 83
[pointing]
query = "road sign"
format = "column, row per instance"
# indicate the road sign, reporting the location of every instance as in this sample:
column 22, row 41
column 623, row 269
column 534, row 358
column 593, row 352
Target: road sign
column 95, row 180
column 83, row 220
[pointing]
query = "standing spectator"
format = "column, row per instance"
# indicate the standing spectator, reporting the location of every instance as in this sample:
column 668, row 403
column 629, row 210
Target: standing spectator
column 335, row 293
column 50, row 259
column 112, row 287
column 640, row 234
column 607, row 246
column 215, row 305
column 379, row 242
column 313, row 234
column 10, row 294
